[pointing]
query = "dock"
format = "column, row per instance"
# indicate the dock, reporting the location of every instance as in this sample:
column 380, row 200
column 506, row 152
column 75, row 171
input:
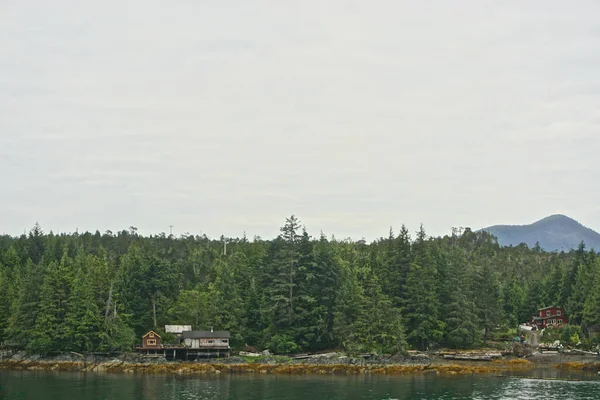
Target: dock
column 182, row 353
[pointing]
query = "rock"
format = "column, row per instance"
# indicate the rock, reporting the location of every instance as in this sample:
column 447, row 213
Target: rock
column 19, row 356
column 269, row 361
column 520, row 350
column 233, row 360
column 158, row 360
column 266, row 352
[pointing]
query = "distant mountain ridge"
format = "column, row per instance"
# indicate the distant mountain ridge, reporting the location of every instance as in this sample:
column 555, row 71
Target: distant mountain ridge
column 554, row 233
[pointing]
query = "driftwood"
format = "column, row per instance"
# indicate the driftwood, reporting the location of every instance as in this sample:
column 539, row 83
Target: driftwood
column 471, row 356
column 465, row 357
column 306, row 356
column 577, row 351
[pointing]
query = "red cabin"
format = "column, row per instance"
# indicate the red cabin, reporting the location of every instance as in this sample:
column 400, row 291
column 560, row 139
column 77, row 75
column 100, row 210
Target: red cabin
column 151, row 340
column 550, row 316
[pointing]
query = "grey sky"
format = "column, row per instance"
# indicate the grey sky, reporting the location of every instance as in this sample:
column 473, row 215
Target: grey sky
column 227, row 116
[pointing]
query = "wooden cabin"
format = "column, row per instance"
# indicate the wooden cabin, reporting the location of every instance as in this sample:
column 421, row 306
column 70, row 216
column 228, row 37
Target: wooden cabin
column 206, row 339
column 196, row 345
column 151, row 340
column 549, row 316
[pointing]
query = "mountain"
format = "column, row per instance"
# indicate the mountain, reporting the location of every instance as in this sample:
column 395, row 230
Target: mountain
column 556, row 232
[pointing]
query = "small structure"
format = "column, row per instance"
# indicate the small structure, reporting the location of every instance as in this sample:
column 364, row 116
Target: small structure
column 206, row 339
column 151, row 340
column 177, row 330
column 549, row 316
column 208, row 343
column 193, row 345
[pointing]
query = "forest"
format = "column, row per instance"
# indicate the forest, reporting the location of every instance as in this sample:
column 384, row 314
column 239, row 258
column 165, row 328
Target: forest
column 294, row 293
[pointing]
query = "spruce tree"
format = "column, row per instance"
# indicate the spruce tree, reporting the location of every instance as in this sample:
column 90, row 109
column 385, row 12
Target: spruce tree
column 459, row 312
column 591, row 308
column 323, row 281
column 346, row 309
column 513, row 300
column 51, row 329
column 84, row 318
column 225, row 301
column 581, row 288
column 421, row 307
column 378, row 328
column 25, row 305
column 486, row 295
column 5, row 294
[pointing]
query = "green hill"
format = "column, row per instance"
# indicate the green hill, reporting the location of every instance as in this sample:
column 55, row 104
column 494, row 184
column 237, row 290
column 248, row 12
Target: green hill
column 556, row 232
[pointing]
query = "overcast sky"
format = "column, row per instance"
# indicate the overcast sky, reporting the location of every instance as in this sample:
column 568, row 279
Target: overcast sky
column 221, row 117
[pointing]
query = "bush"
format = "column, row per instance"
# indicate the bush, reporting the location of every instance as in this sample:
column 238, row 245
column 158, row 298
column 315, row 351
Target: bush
column 569, row 335
column 283, row 344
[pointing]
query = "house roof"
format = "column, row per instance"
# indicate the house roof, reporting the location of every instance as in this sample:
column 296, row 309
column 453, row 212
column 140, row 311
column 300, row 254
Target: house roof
column 205, row 334
column 177, row 328
column 150, row 333
column 547, row 308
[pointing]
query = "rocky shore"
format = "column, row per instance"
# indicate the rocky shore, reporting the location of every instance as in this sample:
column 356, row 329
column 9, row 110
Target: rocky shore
column 329, row 364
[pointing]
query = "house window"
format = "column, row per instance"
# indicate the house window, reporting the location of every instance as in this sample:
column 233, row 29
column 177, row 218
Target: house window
column 151, row 342
column 211, row 341
column 151, row 335
column 558, row 313
column 224, row 340
column 560, row 321
column 548, row 313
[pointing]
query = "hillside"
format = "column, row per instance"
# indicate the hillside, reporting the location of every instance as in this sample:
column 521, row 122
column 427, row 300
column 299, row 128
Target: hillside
column 556, row 232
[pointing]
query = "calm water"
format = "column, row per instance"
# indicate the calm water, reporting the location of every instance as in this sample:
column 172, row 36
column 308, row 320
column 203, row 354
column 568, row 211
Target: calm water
column 76, row 386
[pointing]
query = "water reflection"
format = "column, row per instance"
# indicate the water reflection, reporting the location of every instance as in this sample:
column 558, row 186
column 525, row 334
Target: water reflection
column 31, row 385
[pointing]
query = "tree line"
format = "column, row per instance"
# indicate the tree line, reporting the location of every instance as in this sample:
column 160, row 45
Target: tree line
column 294, row 293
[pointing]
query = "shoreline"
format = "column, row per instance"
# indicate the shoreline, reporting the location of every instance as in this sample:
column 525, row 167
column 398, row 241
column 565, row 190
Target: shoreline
column 215, row 368
column 325, row 364
column 188, row 368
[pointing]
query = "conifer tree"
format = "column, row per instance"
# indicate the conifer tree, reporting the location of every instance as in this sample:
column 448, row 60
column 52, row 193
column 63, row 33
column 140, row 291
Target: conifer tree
column 5, row 294
column 84, row 317
column 513, row 300
column 487, row 297
column 323, row 281
column 458, row 307
column 51, row 329
column 582, row 286
column 421, row 307
column 346, row 309
column 378, row 327
column 225, row 301
column 591, row 308
column 25, row 305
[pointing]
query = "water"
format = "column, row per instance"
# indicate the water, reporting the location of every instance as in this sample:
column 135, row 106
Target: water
column 79, row 386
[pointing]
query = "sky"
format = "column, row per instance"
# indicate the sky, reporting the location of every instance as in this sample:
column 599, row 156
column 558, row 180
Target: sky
column 225, row 117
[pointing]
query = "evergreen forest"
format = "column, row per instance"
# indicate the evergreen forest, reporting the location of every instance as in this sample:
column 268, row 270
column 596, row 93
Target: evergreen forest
column 294, row 293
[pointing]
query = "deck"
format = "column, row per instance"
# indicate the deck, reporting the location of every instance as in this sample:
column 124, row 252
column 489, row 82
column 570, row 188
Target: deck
column 176, row 352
